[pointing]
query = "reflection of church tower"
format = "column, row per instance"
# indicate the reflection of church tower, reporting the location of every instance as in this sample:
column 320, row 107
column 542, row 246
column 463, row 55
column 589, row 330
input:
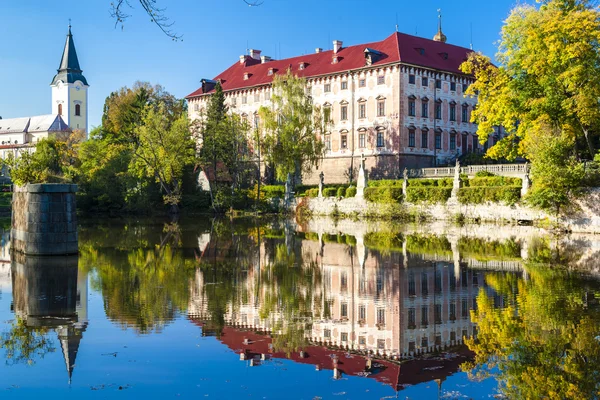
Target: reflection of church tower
column 48, row 292
column 69, row 89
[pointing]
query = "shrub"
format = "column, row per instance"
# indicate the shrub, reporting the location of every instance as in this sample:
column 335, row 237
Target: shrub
column 427, row 194
column 329, row 192
column 312, row 192
column 267, row 191
column 196, row 201
column 386, row 182
column 494, row 181
column 494, row 194
column 428, row 244
column 341, row 192
column 303, row 189
column 483, row 174
column 351, row 192
column 384, row 194
column 444, row 182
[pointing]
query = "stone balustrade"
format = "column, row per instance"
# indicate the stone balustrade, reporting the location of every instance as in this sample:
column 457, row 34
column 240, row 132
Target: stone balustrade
column 516, row 170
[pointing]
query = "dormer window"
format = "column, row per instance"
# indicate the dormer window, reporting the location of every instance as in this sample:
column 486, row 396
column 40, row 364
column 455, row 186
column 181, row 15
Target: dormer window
column 420, row 50
column 371, row 56
column 302, row 66
column 270, row 72
column 246, row 76
column 444, row 55
column 335, row 60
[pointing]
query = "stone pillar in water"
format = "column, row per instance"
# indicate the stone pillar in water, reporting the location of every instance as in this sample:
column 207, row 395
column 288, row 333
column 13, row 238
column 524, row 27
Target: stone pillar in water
column 44, row 219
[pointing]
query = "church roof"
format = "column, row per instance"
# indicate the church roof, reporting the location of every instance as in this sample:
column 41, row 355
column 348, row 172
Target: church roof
column 40, row 123
column 396, row 48
column 69, row 70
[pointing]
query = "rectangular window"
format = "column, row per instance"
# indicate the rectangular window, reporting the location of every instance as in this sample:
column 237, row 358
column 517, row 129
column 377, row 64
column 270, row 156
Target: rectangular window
column 361, row 140
column 424, row 81
column 452, row 112
column 424, row 109
column 465, row 87
column 453, row 86
column 256, row 97
column 453, row 336
column 328, row 142
column 362, row 341
column 411, row 138
column 437, row 314
column 438, row 141
column 381, row 108
column 424, row 139
column 411, row 79
column 453, row 142
column 465, row 114
column 362, row 313
column 438, row 282
column 327, row 88
column 380, row 139
column 411, row 108
column 381, row 316
column 381, row 80
column 464, row 308
column 244, row 99
column 344, row 280
column 453, row 311
column 327, row 333
column 344, row 113
column 344, row 142
column 438, row 84
column 344, row 337
column 438, row 110
column 424, row 284
column 362, row 82
column 438, row 340
column 344, row 85
column 344, row 310
column 233, row 101
column 412, row 318
column 424, row 316
column 362, row 111
column 424, row 342
column 411, row 346
column 411, row 285
column 381, row 344
column 256, row 121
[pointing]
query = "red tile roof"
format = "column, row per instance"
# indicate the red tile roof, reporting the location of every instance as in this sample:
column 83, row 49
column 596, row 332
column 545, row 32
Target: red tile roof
column 399, row 47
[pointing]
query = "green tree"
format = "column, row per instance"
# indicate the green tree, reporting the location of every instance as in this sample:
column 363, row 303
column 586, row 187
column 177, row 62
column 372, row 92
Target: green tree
column 291, row 127
column 165, row 148
column 549, row 73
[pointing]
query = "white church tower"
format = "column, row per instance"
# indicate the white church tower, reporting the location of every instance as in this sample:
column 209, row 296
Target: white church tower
column 70, row 89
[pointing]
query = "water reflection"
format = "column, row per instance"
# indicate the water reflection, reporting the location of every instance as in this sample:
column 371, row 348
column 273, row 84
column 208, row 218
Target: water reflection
column 395, row 306
column 49, row 295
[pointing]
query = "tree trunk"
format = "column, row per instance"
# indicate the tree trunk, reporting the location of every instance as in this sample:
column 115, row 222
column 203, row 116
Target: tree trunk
column 588, row 139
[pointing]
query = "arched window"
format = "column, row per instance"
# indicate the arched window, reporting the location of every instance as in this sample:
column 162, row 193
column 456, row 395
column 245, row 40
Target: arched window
column 60, row 109
column 77, row 110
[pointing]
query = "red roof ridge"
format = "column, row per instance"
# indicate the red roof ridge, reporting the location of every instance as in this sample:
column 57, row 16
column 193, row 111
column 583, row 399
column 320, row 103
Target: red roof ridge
column 396, row 48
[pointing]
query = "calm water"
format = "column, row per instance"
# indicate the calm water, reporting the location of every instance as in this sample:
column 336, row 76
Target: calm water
column 269, row 310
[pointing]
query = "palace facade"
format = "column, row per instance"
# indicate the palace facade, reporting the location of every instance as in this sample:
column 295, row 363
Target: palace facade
column 398, row 102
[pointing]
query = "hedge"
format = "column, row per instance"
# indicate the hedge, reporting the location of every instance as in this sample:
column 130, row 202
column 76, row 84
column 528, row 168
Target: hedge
column 329, row 192
column 444, row 182
column 267, row 191
column 386, row 183
column 494, row 181
column 428, row 244
column 351, row 192
column 312, row 192
column 483, row 174
column 428, row 194
column 483, row 194
column 303, row 189
column 384, row 194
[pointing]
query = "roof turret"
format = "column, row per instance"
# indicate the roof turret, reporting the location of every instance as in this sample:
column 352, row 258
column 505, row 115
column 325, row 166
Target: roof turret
column 69, row 70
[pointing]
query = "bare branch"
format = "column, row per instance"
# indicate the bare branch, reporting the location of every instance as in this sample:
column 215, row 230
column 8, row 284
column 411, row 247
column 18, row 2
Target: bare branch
column 157, row 14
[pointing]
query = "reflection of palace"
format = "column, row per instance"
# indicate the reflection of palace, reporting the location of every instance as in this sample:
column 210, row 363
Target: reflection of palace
column 49, row 292
column 393, row 305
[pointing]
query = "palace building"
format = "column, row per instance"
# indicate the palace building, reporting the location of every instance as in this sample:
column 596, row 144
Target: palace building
column 398, row 102
column 69, row 108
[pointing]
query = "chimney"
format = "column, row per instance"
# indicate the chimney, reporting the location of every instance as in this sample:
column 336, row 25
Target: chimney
column 318, row 50
column 243, row 59
column 265, row 59
column 255, row 54
column 337, row 46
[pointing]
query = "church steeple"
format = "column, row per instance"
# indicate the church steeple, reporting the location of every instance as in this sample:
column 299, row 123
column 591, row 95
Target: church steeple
column 69, row 70
column 439, row 36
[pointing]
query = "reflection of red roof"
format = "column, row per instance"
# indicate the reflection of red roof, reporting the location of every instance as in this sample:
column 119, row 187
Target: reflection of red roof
column 398, row 47
column 408, row 373
column 223, row 173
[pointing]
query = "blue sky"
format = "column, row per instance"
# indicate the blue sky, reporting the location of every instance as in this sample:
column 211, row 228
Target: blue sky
column 215, row 33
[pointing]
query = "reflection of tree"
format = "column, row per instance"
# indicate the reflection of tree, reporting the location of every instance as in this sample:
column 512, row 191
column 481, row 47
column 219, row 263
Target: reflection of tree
column 142, row 287
column 24, row 344
column 542, row 343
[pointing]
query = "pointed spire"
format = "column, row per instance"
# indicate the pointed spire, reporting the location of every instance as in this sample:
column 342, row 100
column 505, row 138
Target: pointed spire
column 69, row 70
column 439, row 36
